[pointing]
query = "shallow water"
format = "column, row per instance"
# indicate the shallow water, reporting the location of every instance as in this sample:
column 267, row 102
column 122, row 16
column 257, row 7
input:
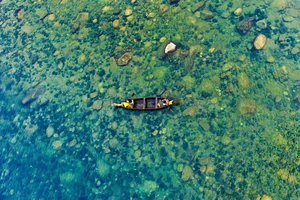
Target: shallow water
column 235, row 134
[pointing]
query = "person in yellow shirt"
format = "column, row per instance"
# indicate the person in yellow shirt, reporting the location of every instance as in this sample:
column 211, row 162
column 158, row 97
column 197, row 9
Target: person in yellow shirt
column 126, row 104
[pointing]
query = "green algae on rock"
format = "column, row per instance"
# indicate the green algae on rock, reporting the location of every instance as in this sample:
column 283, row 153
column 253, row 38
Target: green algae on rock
column 247, row 106
column 187, row 173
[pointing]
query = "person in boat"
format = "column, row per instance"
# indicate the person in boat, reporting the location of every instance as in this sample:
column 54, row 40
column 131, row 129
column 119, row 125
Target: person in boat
column 130, row 101
column 165, row 102
column 172, row 102
column 126, row 104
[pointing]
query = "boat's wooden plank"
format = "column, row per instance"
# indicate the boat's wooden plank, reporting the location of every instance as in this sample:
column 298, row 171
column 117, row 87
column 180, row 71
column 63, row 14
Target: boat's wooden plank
column 144, row 106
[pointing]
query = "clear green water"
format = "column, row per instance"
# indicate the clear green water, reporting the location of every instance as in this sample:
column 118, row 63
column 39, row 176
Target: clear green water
column 235, row 134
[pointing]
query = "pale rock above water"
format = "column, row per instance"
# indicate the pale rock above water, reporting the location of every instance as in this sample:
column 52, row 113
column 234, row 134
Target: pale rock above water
column 170, row 48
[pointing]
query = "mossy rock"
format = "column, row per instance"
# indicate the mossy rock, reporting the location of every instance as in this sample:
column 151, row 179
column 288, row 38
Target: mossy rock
column 161, row 50
column 206, row 87
column 243, row 81
column 159, row 72
column 274, row 88
column 295, row 75
column 278, row 139
column 247, row 106
column 188, row 81
column 187, row 173
column 278, row 5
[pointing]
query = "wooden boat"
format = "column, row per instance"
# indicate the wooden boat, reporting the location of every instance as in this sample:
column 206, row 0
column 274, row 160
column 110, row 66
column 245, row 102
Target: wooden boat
column 148, row 103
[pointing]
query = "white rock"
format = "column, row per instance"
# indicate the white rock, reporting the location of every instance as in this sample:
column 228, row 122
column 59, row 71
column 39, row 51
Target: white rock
column 170, row 47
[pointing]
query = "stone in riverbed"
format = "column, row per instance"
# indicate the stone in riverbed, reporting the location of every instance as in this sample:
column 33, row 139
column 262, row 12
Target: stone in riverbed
column 243, row 81
column 206, row 15
column 295, row 50
column 295, row 75
column 247, row 106
column 170, row 48
column 81, row 17
column 225, row 140
column 34, row 94
column 204, row 124
column 113, row 143
column 163, row 8
column 278, row 5
column 266, row 197
column 116, row 23
column 97, row 105
column 227, row 66
column 288, row 18
column 238, row 11
column 245, row 25
column 124, row 59
column 198, row 6
column 49, row 131
column 260, row 41
column 57, row 144
column 261, row 24
column 187, row 173
column 128, row 12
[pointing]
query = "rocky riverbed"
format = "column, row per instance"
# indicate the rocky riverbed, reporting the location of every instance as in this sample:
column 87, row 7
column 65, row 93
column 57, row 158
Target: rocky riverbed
column 234, row 66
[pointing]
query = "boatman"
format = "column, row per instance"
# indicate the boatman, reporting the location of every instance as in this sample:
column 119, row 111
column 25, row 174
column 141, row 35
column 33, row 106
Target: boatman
column 167, row 102
column 171, row 102
column 126, row 104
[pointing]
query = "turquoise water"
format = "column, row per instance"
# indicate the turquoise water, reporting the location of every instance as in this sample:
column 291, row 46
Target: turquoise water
column 235, row 134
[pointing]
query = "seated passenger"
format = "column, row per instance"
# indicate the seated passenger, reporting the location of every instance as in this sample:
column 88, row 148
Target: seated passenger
column 165, row 102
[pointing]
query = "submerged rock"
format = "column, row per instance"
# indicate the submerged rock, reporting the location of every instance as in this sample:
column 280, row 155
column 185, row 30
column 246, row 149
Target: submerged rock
column 243, row 81
column 57, row 144
column 188, row 64
column 245, row 25
column 204, row 124
column 261, row 24
column 260, row 41
column 124, row 59
column 97, row 105
column 49, row 131
column 295, row 75
column 187, row 173
column 206, row 15
column 198, row 6
column 247, row 106
column 34, row 94
column 278, row 5
column 102, row 168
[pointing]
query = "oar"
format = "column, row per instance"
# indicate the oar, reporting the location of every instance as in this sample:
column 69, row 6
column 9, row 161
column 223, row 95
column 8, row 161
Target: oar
column 163, row 92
